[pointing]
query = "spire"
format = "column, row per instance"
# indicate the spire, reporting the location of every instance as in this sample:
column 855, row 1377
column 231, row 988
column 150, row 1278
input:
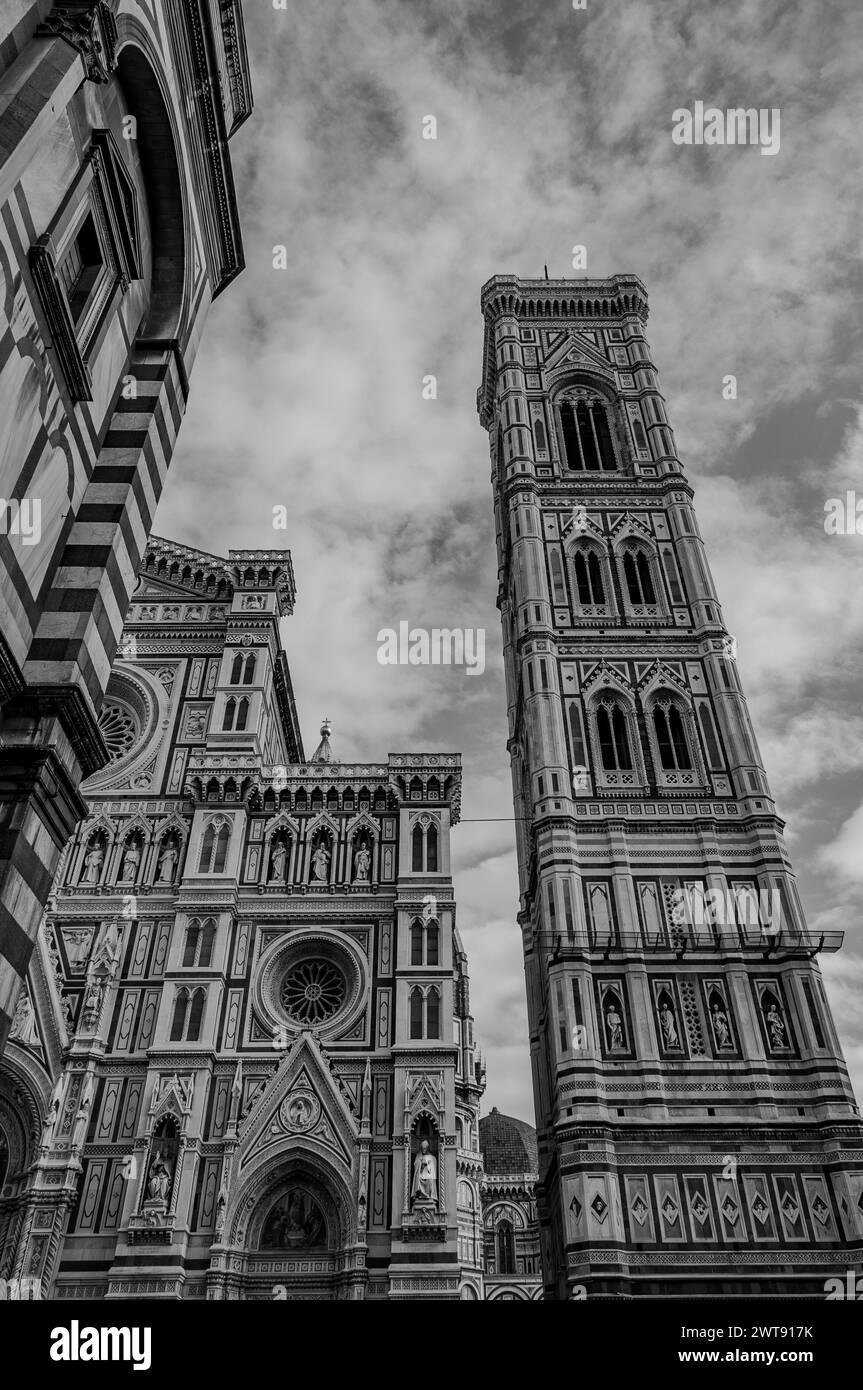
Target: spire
column 324, row 753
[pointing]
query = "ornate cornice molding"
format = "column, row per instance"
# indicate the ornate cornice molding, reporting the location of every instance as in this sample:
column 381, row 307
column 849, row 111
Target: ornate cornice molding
column 90, row 27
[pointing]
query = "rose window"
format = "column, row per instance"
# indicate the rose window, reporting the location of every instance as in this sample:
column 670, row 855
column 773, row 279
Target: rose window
column 313, row 991
column 119, row 729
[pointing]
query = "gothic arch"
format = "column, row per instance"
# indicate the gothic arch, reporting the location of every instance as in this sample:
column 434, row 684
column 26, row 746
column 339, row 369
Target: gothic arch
column 139, row 71
column 271, row 1177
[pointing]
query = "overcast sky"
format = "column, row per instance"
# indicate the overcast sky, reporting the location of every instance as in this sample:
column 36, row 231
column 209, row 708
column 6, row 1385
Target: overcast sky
column 554, row 129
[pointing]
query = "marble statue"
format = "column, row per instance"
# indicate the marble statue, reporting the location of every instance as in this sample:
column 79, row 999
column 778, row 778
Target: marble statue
column 362, row 864
column 668, row 1026
column 158, row 1180
column 424, row 1185
column 93, row 861
column 277, row 863
column 167, row 864
column 321, row 863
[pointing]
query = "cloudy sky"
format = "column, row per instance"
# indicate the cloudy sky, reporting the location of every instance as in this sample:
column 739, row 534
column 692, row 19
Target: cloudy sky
column 554, row 129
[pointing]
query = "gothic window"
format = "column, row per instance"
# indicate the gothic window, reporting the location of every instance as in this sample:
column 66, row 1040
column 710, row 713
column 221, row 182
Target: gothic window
column 417, row 849
column 433, row 1014
column 587, row 437
column 588, row 578
column 432, row 944
column 541, row 441
column 230, row 714
column 242, row 714
column 417, row 944
column 190, row 953
column 638, row 432
column 214, row 848
column 505, row 1241
column 424, row 847
column 424, row 1013
column 249, row 670
column 671, row 738
column 181, row 1008
column 196, row 1013
column 237, row 669
column 416, row 1012
column 613, row 738
column 639, row 581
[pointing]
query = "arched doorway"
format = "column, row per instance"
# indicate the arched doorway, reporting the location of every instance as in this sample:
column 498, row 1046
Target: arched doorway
column 292, row 1236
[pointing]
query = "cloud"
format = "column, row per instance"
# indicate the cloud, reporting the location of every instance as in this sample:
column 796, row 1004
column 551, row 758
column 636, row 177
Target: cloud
column 845, row 854
column 553, row 130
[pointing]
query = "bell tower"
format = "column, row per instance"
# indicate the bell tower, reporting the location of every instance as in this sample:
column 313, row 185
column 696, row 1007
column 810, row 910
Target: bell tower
column 697, row 1128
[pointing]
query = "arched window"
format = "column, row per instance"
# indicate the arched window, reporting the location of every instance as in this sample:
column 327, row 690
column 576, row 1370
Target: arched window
column 416, row 1021
column 214, row 849
column 191, row 951
column 236, row 669
column 196, row 1013
column 417, row 849
column 249, row 672
column 242, row 714
column 587, row 437
column 178, row 1022
column 433, row 1014
column 639, row 581
column 207, row 850
column 505, row 1239
column 588, row 577
column 230, row 711
column 208, row 937
column 541, row 441
column 417, row 944
column 613, row 739
column 432, row 944
column 671, row 738
column 431, row 850
column 640, row 437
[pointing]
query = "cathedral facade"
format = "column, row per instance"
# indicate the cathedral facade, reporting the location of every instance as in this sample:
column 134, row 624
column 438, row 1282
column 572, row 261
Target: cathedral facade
column 697, row 1130
column 244, row 1064
column 119, row 226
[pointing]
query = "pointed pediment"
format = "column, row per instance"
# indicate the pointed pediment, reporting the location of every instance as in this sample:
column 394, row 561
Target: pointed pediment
column 303, row 1106
column 577, row 351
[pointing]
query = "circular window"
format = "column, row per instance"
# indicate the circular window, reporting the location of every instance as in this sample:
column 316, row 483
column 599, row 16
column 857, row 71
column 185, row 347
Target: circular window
column 315, row 978
column 119, row 729
column 313, row 991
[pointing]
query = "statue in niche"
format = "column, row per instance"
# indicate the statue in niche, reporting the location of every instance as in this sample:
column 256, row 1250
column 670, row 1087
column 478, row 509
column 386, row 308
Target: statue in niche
column 159, row 1179
column 167, row 863
column 320, row 863
column 93, row 861
column 129, row 866
column 721, row 1028
column 362, row 865
column 93, row 1001
column 614, row 1027
column 424, row 1185
column 278, row 859
column 776, row 1026
column 670, row 1035
column 23, row 1028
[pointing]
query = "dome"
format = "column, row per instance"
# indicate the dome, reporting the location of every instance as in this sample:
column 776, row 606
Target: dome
column 508, row 1145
